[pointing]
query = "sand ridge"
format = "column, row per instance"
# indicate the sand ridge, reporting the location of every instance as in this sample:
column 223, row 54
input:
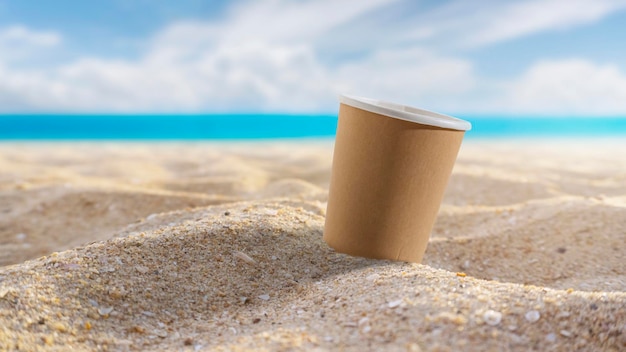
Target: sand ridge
column 218, row 247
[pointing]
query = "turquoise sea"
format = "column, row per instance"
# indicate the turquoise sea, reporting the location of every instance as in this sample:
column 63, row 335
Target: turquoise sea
column 255, row 126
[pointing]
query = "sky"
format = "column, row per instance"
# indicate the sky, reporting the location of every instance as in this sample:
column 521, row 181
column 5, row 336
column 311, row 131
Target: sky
column 517, row 57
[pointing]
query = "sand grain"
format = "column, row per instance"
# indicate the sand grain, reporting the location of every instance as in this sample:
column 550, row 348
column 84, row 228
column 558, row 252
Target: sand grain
column 218, row 247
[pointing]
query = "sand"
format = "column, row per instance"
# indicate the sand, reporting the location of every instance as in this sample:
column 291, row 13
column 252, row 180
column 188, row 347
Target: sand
column 218, row 246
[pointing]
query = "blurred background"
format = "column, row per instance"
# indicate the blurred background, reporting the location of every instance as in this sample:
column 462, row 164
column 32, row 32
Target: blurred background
column 489, row 61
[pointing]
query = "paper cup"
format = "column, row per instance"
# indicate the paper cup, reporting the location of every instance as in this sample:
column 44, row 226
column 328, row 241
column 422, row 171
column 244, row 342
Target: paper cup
column 391, row 165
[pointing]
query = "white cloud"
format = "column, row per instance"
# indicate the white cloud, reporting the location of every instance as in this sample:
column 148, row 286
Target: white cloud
column 281, row 55
column 258, row 58
column 270, row 22
column 18, row 42
column 24, row 36
column 575, row 87
column 502, row 21
column 414, row 76
column 462, row 24
column 294, row 21
column 247, row 77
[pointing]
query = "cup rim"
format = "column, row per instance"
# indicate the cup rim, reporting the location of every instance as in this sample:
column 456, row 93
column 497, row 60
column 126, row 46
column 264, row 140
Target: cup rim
column 405, row 112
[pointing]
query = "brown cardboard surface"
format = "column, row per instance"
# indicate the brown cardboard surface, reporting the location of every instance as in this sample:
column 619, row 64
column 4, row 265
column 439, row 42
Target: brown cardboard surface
column 388, row 180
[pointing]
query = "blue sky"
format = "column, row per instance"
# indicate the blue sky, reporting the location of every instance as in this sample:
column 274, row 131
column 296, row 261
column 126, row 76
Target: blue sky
column 538, row 57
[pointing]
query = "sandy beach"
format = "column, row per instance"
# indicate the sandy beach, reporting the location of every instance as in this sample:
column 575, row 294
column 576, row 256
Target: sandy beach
column 218, row 246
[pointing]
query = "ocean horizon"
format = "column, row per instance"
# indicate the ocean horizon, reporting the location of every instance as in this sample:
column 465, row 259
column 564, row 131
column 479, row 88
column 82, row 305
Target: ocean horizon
column 24, row 127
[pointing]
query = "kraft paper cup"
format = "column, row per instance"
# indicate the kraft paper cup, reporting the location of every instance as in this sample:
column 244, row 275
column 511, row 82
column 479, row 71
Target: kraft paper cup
column 391, row 165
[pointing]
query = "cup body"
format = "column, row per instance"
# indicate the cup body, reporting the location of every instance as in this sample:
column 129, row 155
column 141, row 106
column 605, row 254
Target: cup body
column 388, row 180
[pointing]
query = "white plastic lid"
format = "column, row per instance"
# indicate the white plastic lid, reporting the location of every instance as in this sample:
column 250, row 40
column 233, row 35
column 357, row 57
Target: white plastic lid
column 406, row 113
